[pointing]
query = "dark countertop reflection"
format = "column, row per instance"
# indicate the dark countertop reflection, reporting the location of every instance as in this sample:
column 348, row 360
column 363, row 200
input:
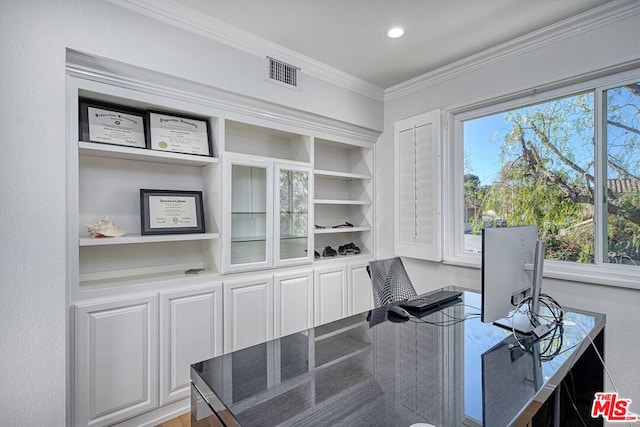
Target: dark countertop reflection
column 369, row 371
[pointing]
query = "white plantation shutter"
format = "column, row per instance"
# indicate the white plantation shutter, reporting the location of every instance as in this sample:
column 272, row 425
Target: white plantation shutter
column 417, row 189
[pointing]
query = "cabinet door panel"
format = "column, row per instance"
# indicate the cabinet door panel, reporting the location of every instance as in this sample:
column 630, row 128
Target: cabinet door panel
column 191, row 331
column 248, row 213
column 293, row 303
column 360, row 292
column 116, row 359
column 294, row 216
column 248, row 313
column 330, row 289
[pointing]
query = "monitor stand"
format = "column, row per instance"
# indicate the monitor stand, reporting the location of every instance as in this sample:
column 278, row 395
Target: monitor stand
column 520, row 321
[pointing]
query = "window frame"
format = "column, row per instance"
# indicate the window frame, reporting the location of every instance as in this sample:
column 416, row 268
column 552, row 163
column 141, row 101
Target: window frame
column 453, row 174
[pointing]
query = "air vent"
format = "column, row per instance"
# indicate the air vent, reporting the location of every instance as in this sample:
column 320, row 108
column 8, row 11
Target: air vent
column 283, row 73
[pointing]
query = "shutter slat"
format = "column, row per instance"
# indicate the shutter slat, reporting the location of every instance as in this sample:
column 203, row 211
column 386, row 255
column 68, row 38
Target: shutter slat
column 417, row 189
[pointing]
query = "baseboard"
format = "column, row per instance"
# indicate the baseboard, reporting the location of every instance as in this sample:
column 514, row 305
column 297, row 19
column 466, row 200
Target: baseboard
column 158, row 416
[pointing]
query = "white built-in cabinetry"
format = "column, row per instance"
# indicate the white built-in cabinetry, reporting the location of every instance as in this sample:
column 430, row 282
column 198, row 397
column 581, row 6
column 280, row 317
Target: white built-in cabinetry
column 360, row 292
column 132, row 353
column 343, row 193
column 277, row 189
column 341, row 291
column 116, row 359
column 190, row 331
column 106, row 179
column 248, row 313
column 267, row 209
column 293, row 301
column 330, row 290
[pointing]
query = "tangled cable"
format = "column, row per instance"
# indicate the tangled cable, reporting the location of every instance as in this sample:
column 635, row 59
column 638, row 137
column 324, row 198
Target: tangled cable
column 553, row 315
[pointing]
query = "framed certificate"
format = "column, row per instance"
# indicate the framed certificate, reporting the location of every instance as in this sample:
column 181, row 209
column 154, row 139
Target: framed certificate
column 111, row 124
column 171, row 212
column 179, row 134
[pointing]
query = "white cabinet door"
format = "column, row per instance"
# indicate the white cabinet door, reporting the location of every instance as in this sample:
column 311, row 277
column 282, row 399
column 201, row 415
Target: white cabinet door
column 293, row 215
column 293, row 302
column 248, row 312
column 190, row 331
column 330, row 291
column 248, row 213
column 360, row 292
column 116, row 359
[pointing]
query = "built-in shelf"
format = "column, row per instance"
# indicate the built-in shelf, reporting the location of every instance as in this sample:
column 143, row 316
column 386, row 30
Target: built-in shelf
column 341, row 202
column 341, row 230
column 117, row 279
column 248, row 239
column 130, row 153
column 348, row 258
column 340, row 175
column 248, row 213
column 136, row 238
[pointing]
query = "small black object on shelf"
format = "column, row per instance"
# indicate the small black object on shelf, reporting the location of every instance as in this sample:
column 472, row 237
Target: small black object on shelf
column 349, row 249
column 346, row 224
column 329, row 252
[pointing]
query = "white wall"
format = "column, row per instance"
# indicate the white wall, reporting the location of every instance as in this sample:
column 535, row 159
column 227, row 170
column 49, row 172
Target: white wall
column 34, row 36
column 611, row 42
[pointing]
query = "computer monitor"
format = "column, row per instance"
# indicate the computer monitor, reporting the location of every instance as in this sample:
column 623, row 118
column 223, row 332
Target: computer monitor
column 512, row 261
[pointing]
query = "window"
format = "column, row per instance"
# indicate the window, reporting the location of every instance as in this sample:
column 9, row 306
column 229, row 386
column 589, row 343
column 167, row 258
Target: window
column 622, row 144
column 568, row 162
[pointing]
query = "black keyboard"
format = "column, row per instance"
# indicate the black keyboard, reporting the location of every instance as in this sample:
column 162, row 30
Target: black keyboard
column 430, row 301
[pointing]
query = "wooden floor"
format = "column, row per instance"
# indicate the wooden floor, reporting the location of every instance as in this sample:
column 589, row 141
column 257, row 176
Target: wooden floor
column 181, row 421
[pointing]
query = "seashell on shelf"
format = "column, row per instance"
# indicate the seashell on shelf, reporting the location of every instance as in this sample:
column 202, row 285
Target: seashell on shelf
column 104, row 228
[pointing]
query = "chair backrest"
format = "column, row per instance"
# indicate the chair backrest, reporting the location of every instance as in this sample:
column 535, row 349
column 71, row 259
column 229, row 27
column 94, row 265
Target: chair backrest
column 389, row 281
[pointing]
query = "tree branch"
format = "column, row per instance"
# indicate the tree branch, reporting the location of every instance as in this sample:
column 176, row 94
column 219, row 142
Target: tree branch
column 620, row 168
column 562, row 157
column 634, row 88
column 572, row 192
column 623, row 126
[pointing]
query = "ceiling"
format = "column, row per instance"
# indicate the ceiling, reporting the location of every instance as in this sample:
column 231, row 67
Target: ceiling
column 350, row 35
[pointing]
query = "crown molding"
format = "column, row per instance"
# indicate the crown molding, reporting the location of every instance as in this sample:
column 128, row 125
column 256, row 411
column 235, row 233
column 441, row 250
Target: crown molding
column 174, row 14
column 224, row 103
column 579, row 24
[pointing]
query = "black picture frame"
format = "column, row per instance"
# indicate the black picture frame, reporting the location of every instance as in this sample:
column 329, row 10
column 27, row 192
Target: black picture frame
column 118, row 114
column 181, row 141
column 171, row 212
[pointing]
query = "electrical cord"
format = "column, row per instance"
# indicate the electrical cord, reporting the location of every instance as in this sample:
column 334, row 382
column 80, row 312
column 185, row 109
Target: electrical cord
column 453, row 319
column 555, row 342
column 555, row 316
column 604, row 365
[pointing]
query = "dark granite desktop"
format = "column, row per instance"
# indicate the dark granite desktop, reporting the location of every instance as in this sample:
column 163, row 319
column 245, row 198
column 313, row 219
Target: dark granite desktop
column 369, row 371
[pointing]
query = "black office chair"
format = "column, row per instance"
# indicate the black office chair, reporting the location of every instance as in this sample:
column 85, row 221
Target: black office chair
column 389, row 281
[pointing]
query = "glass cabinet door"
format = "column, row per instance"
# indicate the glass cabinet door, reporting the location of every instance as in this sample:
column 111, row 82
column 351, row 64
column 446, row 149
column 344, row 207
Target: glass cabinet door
column 248, row 228
column 293, row 243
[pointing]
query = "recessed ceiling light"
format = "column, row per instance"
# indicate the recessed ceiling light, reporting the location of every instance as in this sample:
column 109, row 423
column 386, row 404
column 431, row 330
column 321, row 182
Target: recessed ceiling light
column 395, row 32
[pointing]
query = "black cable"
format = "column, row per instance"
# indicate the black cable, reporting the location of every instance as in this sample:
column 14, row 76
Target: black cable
column 445, row 323
column 452, row 322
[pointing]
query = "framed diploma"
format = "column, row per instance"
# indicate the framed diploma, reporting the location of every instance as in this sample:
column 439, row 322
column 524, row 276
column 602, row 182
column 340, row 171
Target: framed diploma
column 171, row 212
column 179, row 134
column 111, row 124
